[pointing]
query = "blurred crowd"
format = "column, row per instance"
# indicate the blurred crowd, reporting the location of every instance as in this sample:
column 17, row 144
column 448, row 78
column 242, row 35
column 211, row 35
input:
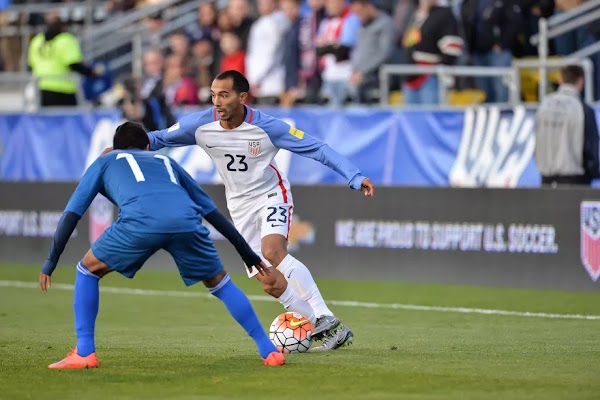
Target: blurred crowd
column 330, row 51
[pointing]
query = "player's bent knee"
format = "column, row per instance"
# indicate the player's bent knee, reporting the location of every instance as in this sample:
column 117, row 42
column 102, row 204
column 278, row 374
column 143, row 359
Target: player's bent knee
column 212, row 282
column 274, row 254
column 94, row 265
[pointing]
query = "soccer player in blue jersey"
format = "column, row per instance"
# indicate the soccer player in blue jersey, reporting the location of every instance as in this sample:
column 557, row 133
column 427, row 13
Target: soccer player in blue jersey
column 243, row 142
column 160, row 207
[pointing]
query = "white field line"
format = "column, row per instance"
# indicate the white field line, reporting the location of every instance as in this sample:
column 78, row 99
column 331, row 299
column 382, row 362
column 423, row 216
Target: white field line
column 360, row 304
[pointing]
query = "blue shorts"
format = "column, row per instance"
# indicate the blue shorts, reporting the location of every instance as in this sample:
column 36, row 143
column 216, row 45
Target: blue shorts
column 125, row 252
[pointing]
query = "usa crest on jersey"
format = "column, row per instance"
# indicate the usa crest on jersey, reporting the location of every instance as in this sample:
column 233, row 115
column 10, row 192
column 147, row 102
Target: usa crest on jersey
column 254, row 147
column 590, row 237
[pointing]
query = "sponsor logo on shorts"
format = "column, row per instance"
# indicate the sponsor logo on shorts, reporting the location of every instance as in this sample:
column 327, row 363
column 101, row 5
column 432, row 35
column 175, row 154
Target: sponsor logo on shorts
column 271, row 195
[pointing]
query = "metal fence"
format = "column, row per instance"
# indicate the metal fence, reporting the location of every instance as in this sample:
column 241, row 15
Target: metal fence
column 510, row 76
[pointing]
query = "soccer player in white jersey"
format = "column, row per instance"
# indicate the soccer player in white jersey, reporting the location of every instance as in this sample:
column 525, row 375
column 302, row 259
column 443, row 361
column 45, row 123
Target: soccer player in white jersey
column 242, row 143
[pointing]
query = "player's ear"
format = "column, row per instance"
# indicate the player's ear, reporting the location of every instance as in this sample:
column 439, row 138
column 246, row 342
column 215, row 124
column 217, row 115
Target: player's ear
column 243, row 97
column 147, row 147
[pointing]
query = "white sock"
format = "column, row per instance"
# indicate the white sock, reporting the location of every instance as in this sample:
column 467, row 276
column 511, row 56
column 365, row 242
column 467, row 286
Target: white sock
column 293, row 302
column 302, row 281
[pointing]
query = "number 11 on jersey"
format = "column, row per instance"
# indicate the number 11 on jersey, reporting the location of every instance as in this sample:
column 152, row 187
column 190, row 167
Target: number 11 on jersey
column 137, row 171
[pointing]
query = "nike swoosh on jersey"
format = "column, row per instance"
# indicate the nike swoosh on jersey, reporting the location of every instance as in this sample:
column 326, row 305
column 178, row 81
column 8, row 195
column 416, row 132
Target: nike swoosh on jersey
column 298, row 323
column 273, row 225
column 210, row 147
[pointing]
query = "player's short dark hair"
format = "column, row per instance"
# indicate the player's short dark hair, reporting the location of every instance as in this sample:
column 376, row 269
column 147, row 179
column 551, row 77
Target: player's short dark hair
column 130, row 135
column 240, row 83
column 571, row 73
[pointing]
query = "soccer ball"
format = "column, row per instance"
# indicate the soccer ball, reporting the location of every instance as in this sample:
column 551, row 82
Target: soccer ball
column 291, row 332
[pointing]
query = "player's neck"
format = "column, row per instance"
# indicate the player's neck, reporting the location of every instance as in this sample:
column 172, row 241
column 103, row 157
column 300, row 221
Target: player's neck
column 236, row 120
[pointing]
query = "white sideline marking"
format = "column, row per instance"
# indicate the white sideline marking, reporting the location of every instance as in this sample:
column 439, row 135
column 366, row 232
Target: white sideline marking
column 394, row 306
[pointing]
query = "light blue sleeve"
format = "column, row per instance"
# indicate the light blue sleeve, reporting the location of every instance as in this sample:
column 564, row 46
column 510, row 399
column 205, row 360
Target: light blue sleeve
column 196, row 193
column 349, row 34
column 91, row 183
column 286, row 137
column 183, row 133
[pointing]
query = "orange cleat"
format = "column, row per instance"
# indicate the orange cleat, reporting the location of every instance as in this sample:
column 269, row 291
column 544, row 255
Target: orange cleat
column 274, row 359
column 75, row 361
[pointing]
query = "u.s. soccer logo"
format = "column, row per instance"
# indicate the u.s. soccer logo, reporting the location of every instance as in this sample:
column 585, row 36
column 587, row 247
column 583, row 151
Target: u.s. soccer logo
column 254, row 147
column 590, row 237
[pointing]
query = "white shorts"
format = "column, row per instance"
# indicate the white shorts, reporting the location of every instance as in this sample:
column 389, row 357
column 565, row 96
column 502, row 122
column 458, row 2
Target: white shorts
column 275, row 218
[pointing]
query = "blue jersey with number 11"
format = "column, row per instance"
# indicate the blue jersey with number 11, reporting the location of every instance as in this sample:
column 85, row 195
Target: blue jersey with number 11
column 153, row 193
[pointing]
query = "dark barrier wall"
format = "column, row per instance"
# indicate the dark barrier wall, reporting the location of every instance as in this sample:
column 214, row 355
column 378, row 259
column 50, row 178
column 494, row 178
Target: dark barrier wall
column 538, row 238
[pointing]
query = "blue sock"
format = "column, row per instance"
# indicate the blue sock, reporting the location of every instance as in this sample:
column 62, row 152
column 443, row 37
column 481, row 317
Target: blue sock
column 241, row 310
column 85, row 307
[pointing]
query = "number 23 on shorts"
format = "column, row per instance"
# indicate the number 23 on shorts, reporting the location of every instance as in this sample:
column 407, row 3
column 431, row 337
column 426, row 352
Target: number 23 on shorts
column 278, row 215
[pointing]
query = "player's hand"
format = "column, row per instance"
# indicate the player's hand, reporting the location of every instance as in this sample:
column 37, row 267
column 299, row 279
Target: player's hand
column 44, row 282
column 262, row 269
column 106, row 151
column 367, row 187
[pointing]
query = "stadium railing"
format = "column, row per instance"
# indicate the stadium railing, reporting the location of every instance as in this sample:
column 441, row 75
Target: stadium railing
column 510, row 76
column 550, row 28
column 99, row 41
column 20, row 92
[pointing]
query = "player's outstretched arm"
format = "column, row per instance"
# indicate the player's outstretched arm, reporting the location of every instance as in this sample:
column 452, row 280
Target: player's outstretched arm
column 90, row 185
column 183, row 133
column 66, row 225
column 286, row 137
column 226, row 228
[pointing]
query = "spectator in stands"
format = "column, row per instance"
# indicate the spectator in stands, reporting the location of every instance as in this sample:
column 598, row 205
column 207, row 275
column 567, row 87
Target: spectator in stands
column 225, row 22
column 373, row 48
column 264, row 63
column 310, row 72
column 533, row 10
column 238, row 12
column 151, row 111
column 567, row 134
column 179, row 45
column 53, row 55
column 114, row 7
column 491, row 29
column 153, row 25
column 291, row 52
column 403, row 12
column 179, row 88
column 10, row 45
column 571, row 41
column 431, row 38
column 234, row 58
column 153, row 67
column 337, row 37
column 206, row 24
column 204, row 67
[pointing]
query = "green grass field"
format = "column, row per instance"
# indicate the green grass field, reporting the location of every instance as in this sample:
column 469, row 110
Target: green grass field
column 167, row 347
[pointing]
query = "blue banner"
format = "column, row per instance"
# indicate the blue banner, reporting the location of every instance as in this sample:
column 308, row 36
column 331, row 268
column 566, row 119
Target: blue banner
column 468, row 148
